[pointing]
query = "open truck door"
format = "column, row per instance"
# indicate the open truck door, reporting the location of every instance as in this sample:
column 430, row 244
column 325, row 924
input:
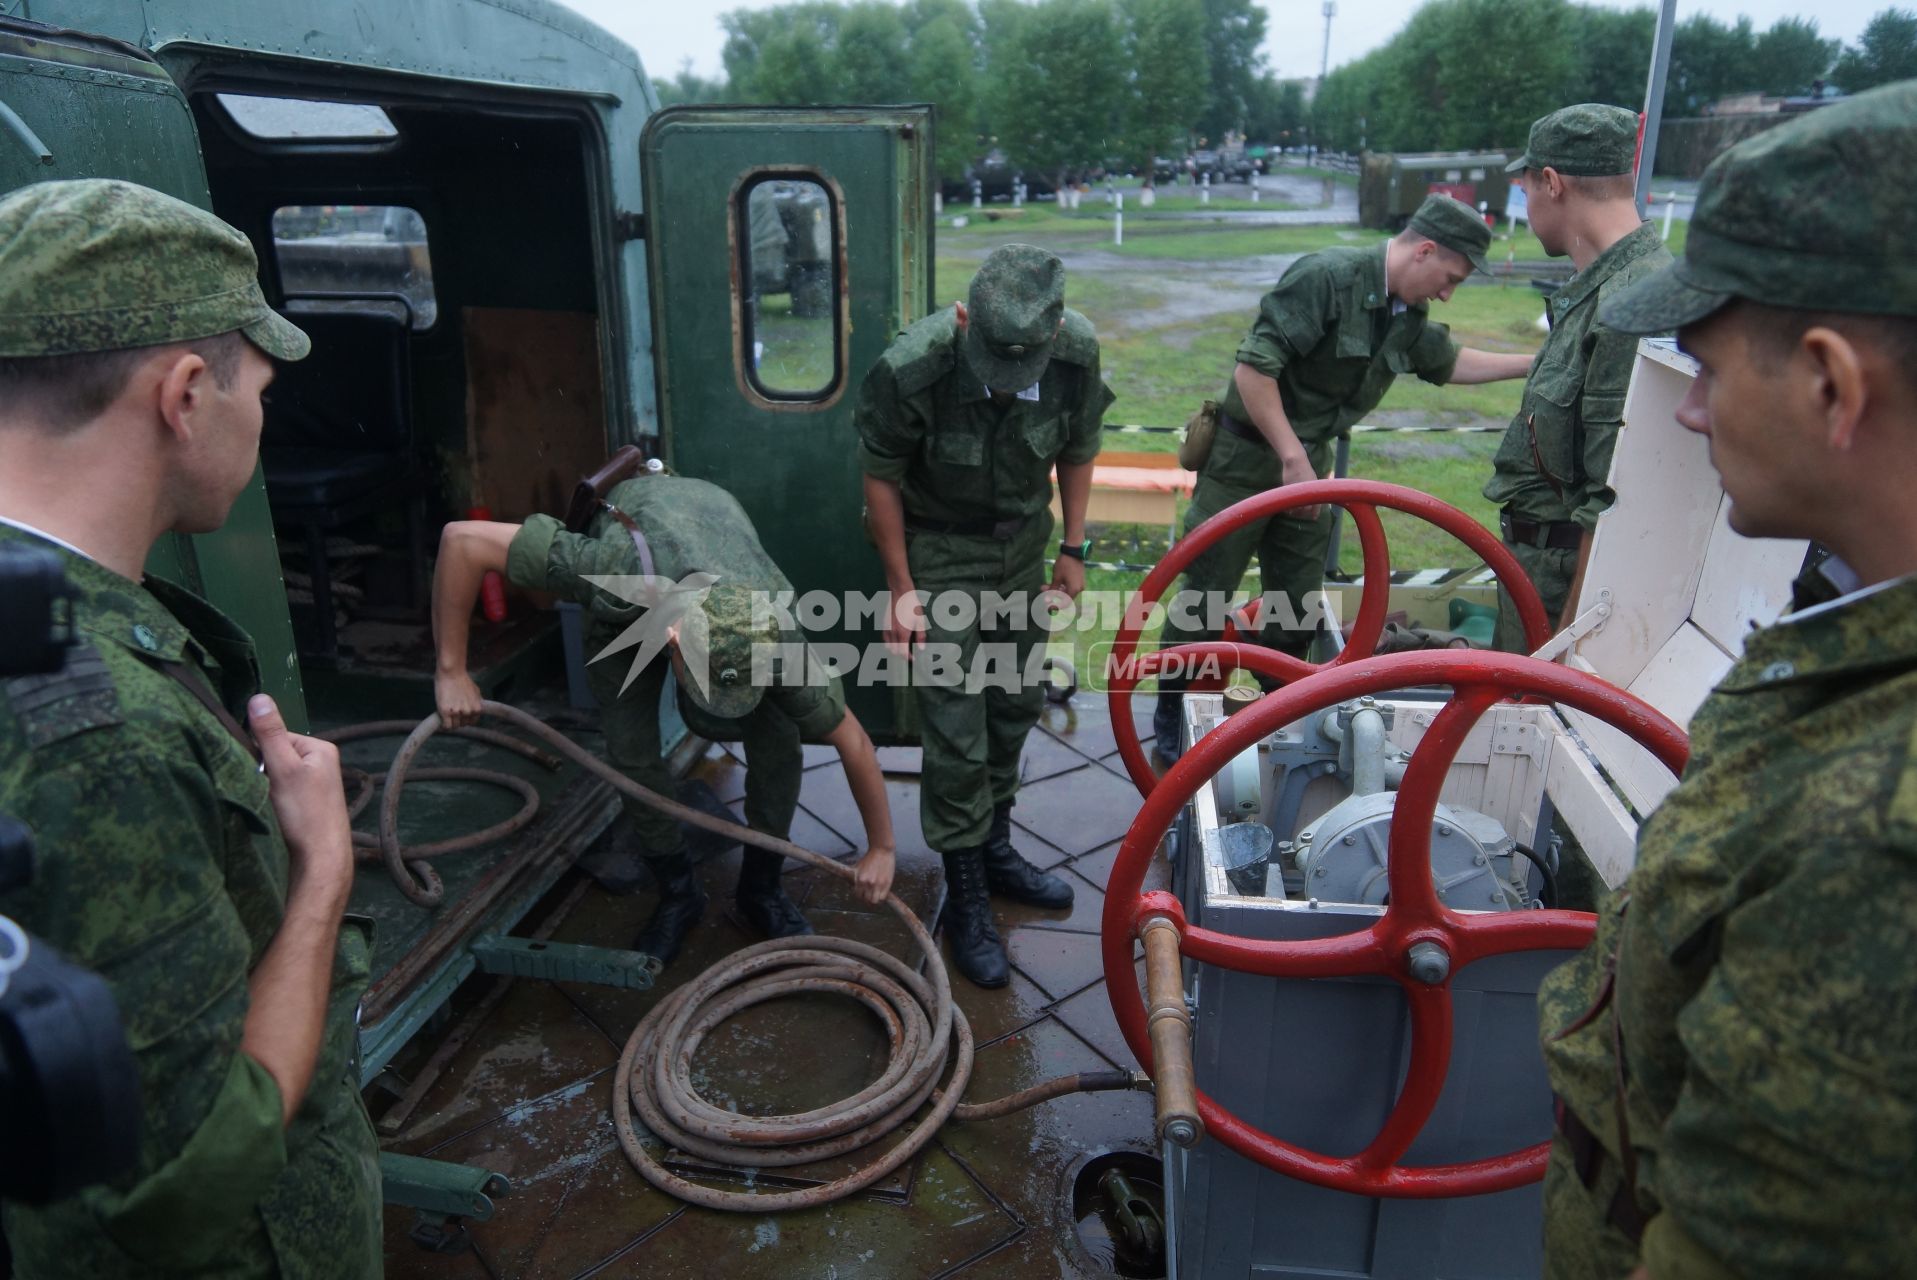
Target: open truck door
column 786, row 248
column 56, row 87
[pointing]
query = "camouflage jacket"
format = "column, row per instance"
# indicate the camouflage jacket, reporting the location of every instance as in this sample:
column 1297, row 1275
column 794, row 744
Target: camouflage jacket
column 1555, row 459
column 1327, row 334
column 161, row 866
column 1764, row 973
column 926, row 422
column 689, row 526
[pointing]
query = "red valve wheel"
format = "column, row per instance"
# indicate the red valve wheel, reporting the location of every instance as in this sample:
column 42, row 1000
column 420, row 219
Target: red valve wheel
column 1413, row 918
column 1361, row 498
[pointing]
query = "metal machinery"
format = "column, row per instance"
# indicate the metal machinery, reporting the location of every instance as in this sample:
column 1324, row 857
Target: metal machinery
column 1375, row 821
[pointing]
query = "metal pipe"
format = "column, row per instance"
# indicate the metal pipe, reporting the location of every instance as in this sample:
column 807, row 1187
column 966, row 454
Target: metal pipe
column 1654, row 98
column 1367, row 752
column 1168, row 1022
column 24, row 132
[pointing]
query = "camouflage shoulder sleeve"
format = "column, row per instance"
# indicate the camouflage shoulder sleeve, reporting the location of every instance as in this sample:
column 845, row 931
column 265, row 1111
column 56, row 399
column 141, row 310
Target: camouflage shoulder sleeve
column 924, row 353
column 1293, row 317
column 1434, row 355
column 890, row 428
column 526, row 554
column 568, row 559
column 79, row 697
column 1077, row 341
column 1609, row 357
column 815, row 708
column 132, row 835
column 1789, row 1148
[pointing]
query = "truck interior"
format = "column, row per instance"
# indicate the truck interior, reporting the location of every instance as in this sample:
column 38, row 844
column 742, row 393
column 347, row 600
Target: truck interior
column 441, row 256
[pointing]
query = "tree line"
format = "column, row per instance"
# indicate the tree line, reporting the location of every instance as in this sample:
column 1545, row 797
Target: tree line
column 1062, row 85
column 1474, row 73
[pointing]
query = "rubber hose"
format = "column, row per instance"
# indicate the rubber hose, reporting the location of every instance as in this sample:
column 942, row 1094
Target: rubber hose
column 924, row 1028
column 367, row 846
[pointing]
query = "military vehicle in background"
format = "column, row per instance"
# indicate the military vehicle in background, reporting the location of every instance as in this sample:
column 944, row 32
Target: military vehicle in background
column 1391, row 187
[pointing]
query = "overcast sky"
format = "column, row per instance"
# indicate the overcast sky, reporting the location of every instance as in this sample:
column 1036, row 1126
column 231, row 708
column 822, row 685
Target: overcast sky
column 666, row 32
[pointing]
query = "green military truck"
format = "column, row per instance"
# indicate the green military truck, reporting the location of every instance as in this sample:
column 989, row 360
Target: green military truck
column 1391, row 187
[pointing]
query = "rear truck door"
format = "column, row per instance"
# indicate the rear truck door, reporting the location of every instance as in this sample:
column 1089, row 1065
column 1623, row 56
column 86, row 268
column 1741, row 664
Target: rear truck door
column 786, row 248
column 74, row 105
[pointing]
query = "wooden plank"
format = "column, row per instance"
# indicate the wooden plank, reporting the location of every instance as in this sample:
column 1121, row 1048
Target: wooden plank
column 535, row 408
column 1602, row 825
column 1746, row 583
column 1650, row 545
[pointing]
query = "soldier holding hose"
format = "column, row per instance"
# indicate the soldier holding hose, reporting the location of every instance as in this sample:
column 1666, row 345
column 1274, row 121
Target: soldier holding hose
column 740, row 678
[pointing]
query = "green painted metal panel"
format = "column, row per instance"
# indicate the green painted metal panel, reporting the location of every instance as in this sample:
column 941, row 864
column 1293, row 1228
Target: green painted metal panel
column 101, row 109
column 791, row 462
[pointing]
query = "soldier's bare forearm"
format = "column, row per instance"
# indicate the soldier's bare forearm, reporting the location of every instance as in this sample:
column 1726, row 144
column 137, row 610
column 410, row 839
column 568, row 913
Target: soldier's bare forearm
column 1266, row 406
column 468, row 550
column 1475, row 366
column 287, row 993
column 863, row 776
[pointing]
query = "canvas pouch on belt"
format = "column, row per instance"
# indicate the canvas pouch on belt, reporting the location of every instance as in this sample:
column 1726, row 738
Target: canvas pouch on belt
column 1200, row 431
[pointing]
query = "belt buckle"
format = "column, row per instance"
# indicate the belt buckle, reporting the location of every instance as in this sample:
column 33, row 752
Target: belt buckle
column 1004, row 529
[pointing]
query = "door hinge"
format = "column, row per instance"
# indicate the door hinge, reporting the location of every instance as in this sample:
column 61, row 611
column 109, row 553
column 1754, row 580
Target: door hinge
column 629, row 226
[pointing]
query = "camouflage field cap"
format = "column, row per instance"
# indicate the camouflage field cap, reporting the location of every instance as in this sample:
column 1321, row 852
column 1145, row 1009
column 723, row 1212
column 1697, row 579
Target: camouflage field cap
column 1455, row 225
column 1809, row 214
column 101, row 265
column 1016, row 304
column 733, row 686
column 1589, row 140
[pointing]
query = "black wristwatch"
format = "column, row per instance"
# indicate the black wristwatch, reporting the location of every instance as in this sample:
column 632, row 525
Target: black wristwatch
column 1075, row 552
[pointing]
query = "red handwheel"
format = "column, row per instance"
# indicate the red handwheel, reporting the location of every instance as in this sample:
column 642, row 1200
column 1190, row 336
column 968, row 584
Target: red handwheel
column 1361, row 498
column 1418, row 941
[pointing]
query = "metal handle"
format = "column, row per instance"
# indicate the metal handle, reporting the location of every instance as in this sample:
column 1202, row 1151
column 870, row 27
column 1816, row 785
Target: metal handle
column 24, row 132
column 1169, row 1024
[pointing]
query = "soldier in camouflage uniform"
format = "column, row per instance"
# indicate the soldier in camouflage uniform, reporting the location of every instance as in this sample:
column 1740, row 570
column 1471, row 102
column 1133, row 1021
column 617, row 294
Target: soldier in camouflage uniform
column 1735, row 1056
column 671, row 528
column 1549, row 475
column 1330, row 338
column 202, row 875
column 960, row 423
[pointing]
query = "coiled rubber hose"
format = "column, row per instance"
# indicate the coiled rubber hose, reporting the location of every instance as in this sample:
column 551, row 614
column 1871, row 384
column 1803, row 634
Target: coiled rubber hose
column 924, row 1028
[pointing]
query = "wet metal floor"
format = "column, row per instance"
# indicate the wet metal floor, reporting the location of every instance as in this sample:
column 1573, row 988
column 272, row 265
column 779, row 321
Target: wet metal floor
column 528, row 1092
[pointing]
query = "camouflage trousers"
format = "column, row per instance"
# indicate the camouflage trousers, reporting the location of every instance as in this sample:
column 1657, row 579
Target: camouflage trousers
column 1551, row 570
column 973, row 740
column 1579, row 1241
column 1291, row 563
column 775, row 760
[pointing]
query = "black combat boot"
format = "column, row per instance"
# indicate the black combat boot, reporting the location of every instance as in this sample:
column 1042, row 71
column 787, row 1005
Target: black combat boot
column 1167, row 740
column 1011, row 876
column 681, row 903
column 967, row 920
column 761, row 896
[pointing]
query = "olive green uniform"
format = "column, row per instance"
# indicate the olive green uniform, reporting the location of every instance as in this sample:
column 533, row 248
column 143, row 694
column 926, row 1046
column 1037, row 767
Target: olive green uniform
column 1553, row 465
column 927, row 423
column 1763, row 982
column 162, row 866
column 1331, row 336
column 689, row 526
